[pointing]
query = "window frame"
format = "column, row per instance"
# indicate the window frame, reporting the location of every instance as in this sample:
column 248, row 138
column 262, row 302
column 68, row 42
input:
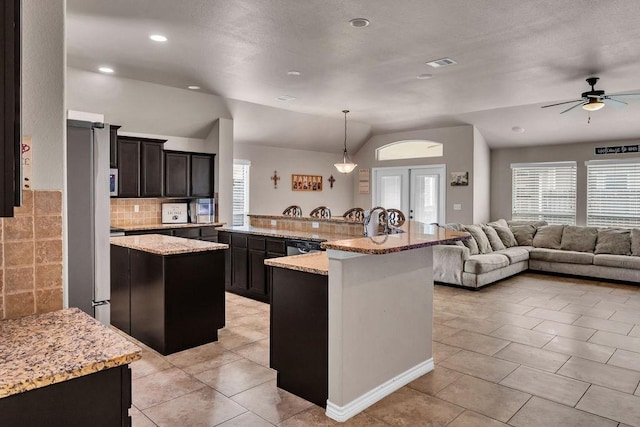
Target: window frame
column 246, row 165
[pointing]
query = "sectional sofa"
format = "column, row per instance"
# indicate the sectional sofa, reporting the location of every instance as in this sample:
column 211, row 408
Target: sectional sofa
column 501, row 249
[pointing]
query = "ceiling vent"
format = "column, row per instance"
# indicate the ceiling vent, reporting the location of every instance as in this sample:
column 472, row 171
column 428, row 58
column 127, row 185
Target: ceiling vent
column 439, row 63
column 285, row 98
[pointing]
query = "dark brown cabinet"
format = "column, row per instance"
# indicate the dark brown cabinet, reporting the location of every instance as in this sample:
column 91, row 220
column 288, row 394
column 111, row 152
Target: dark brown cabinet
column 188, row 174
column 257, row 273
column 239, row 262
column 10, row 138
column 202, row 175
column 140, row 167
column 208, row 233
column 224, row 237
column 113, row 146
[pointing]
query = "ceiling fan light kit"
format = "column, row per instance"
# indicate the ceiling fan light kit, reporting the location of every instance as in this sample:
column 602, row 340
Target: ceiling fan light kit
column 346, row 166
column 593, row 105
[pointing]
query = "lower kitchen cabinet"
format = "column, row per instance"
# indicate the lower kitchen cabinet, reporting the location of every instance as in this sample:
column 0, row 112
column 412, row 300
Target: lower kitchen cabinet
column 208, row 233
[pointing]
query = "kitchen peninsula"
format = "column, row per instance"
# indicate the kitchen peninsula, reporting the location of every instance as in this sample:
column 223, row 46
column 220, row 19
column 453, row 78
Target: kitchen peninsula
column 376, row 330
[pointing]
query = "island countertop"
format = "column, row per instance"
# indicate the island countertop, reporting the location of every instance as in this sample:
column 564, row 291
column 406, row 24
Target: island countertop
column 315, row 263
column 160, row 244
column 285, row 234
column 45, row 349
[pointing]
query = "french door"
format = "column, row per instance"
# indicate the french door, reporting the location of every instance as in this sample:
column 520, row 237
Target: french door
column 419, row 192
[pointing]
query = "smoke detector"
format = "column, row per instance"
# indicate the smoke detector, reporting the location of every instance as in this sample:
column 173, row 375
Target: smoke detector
column 443, row 62
column 359, row 22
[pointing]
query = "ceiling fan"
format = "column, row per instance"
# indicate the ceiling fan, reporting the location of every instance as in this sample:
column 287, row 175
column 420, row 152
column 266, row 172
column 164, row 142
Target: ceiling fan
column 593, row 99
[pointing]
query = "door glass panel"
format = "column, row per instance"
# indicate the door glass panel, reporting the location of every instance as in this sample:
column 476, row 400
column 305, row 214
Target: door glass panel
column 425, row 198
column 391, row 192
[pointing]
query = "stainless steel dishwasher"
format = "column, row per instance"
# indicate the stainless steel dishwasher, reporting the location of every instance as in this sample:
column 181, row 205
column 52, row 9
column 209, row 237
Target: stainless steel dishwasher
column 299, row 247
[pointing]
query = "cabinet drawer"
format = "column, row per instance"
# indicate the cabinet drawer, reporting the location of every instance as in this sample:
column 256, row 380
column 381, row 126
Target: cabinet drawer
column 238, row 241
column 208, row 232
column 276, row 246
column 189, row 233
column 224, row 238
column 256, row 243
column 139, row 232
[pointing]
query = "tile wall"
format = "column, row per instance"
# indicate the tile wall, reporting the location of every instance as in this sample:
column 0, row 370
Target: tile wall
column 31, row 256
column 305, row 225
column 123, row 211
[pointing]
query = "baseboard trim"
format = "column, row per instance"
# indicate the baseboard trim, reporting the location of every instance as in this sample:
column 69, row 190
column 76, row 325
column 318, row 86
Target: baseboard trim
column 343, row 413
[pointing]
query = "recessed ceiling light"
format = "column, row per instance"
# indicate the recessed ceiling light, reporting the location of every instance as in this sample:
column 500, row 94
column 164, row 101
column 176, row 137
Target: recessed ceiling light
column 158, row 38
column 517, row 129
column 359, row 22
column 285, row 98
column 443, row 62
column 294, row 73
column 106, row 70
column 193, row 87
column 424, row 76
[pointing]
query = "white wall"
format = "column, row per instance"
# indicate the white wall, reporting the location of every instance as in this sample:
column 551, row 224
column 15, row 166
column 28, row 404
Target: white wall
column 176, row 142
column 458, row 147
column 223, row 131
column 43, row 89
column 481, row 178
column 501, row 160
column 264, row 199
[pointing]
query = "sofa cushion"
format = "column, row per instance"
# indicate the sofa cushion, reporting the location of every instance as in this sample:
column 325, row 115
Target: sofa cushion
column 523, row 234
column 484, row 247
column 506, row 235
column 548, row 236
column 613, row 241
column 516, row 254
column 494, row 239
column 472, row 245
column 557, row 255
column 620, row 261
column 484, row 263
column 635, row 242
column 499, row 223
column 579, row 239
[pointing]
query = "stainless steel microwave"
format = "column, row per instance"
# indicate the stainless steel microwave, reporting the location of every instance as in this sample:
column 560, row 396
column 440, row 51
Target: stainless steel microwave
column 202, row 210
column 113, row 182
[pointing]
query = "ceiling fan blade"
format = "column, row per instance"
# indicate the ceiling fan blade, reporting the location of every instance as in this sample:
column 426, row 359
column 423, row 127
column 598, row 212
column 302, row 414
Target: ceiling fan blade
column 562, row 103
column 631, row 95
column 571, row 108
column 616, row 102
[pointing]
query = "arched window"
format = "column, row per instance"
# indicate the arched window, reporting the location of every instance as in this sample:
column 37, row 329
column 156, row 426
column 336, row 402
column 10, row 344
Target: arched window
column 409, row 149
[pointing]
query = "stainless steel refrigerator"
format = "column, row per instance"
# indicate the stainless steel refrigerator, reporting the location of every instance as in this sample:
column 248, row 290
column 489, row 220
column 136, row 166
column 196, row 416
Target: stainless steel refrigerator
column 88, row 210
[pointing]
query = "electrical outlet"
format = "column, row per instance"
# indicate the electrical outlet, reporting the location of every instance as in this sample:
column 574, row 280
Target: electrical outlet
column 315, row 225
column 457, row 207
column 136, row 208
column 273, row 222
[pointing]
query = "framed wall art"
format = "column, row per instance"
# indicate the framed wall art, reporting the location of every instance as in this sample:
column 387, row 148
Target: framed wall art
column 301, row 182
column 459, row 179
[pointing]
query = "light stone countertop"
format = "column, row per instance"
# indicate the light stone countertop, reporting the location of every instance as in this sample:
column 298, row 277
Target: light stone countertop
column 45, row 349
column 285, row 234
column 336, row 219
column 160, row 244
column 130, row 227
column 315, row 263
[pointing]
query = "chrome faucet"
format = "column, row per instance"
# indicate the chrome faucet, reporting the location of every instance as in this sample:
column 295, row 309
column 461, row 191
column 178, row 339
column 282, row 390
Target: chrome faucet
column 367, row 219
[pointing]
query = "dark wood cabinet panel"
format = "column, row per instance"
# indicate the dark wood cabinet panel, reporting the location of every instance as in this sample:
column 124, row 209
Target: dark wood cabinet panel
column 140, row 167
column 120, row 289
column 257, row 272
column 189, row 233
column 202, row 167
column 224, row 237
column 151, row 168
column 177, row 175
column 113, row 146
column 128, row 168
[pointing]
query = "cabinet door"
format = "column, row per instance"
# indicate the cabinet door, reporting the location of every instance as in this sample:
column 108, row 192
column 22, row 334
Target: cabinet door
column 113, row 152
column 189, row 233
column 257, row 272
column 201, row 175
column 120, row 289
column 176, row 175
column 151, row 169
column 128, row 168
column 224, row 237
column 239, row 261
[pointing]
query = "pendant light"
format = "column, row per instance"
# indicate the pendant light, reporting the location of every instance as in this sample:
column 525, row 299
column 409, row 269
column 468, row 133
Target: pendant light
column 347, row 166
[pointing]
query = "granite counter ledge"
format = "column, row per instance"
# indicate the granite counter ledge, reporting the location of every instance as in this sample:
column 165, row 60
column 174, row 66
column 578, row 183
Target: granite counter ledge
column 45, row 349
column 159, row 244
column 284, row 234
column 130, row 227
column 315, row 263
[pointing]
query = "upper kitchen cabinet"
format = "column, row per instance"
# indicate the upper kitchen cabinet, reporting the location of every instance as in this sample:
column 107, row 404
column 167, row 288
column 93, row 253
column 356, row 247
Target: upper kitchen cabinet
column 10, row 182
column 113, row 139
column 188, row 174
column 140, row 166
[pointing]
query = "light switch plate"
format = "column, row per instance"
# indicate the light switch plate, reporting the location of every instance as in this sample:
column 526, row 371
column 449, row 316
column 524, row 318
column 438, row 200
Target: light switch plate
column 457, row 207
column 315, row 225
column 136, row 208
column 273, row 222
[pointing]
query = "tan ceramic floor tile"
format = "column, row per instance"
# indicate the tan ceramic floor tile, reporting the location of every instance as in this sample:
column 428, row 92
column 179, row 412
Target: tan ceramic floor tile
column 214, row 361
column 441, row 332
column 236, row 377
column 441, row 318
column 196, row 355
column 595, row 352
column 443, row 351
column 616, row 340
column 161, row 387
column 625, row 359
column 240, row 311
column 556, row 316
column 408, row 407
column 611, row 404
column 314, row 416
column 480, row 366
column 539, row 412
column 204, row 407
column 598, row 373
column 139, row 419
column 231, row 338
column 271, row 403
column 600, row 313
column 587, row 300
column 532, row 356
column 627, row 316
column 635, row 332
column 484, row 397
column 604, row 325
column 507, row 307
column 258, row 321
column 473, row 419
column 515, row 320
column 150, row 363
column 257, row 352
column 476, row 342
column 473, row 325
column 522, row 336
column 544, row 304
column 248, row 419
column 435, row 380
column 544, row 384
column 564, row 330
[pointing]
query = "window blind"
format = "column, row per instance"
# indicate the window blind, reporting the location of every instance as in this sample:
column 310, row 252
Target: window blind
column 613, row 193
column 544, row 192
column 240, row 191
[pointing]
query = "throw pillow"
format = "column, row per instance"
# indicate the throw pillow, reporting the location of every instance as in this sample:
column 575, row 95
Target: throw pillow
column 472, row 245
column 506, row 236
column 494, row 239
column 499, row 223
column 548, row 236
column 523, row 234
column 579, row 239
column 635, row 242
column 613, row 241
column 484, row 247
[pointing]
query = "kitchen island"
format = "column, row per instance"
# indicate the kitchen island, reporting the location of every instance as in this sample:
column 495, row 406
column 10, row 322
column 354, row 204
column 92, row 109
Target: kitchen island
column 64, row 368
column 379, row 303
column 167, row 292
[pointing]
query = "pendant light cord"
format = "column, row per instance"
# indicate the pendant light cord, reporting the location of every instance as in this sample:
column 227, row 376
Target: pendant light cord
column 344, row 156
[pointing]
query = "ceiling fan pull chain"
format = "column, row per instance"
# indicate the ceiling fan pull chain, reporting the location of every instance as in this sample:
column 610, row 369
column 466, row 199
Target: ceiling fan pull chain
column 588, row 118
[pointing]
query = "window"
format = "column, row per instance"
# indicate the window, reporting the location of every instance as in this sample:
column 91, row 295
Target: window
column 240, row 191
column 613, row 193
column 544, row 192
column 409, row 149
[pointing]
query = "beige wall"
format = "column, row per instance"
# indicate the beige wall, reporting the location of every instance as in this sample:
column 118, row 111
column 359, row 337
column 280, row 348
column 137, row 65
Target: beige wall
column 501, row 160
column 264, row 199
column 481, row 178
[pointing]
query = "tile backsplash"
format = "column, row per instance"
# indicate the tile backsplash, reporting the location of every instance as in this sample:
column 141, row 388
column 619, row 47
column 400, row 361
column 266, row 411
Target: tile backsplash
column 31, row 256
column 150, row 211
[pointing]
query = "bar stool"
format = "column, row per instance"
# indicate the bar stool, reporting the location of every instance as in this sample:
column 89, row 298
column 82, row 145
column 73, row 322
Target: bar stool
column 354, row 214
column 293, row 210
column 321, row 212
column 396, row 217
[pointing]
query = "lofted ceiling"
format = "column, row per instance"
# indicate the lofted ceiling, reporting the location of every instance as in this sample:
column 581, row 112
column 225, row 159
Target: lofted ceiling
column 512, row 57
